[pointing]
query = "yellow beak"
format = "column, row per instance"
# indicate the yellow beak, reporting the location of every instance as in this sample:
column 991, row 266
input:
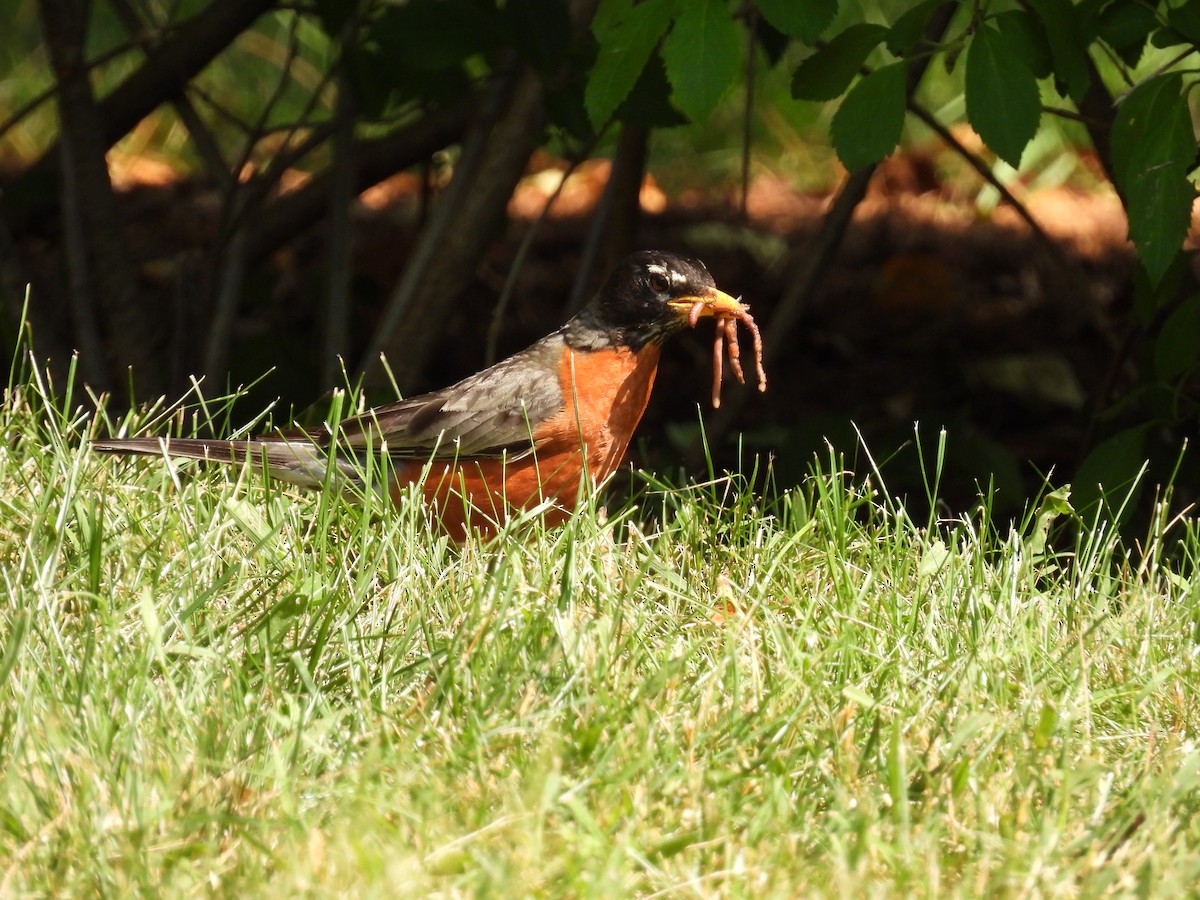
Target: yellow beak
column 714, row 302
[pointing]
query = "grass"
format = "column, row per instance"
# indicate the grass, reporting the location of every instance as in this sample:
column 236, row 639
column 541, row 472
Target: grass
column 212, row 685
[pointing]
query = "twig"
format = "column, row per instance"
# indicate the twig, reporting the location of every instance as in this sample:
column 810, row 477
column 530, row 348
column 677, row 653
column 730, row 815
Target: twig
column 205, row 142
column 374, row 159
column 447, row 250
column 234, row 204
column 341, row 199
column 79, row 281
column 48, row 94
column 1064, row 113
column 981, row 169
column 590, row 250
column 510, row 282
column 229, row 289
column 614, row 220
column 201, row 135
column 189, row 47
column 1150, row 76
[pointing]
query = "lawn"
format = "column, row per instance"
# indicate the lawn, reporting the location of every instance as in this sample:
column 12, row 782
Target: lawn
column 212, row 685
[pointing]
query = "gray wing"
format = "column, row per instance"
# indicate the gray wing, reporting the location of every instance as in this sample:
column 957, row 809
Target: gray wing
column 487, row 414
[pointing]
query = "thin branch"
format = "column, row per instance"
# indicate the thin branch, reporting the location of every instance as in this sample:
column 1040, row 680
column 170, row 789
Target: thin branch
column 190, row 47
column 1069, row 114
column 234, row 203
column 202, row 137
column 47, row 95
column 229, row 290
column 205, row 141
column 80, row 284
column 1117, row 63
column 518, row 263
column 462, row 224
column 981, row 168
column 444, row 218
column 341, row 199
column 374, row 159
column 1178, row 58
column 591, row 243
column 615, row 218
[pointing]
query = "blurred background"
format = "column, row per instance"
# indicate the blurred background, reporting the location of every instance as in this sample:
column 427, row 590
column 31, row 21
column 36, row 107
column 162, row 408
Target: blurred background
column 274, row 194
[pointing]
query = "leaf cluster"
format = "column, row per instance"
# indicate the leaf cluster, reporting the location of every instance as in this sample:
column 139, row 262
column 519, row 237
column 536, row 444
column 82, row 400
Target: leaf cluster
column 1011, row 59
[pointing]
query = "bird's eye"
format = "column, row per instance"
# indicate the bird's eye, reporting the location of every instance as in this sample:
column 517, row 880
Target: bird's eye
column 659, row 283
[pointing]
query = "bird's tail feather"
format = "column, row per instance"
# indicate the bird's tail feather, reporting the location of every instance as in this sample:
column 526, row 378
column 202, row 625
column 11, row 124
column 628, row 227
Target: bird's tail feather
column 299, row 462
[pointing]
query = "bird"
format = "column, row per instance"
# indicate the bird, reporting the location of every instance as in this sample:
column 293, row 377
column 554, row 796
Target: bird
column 530, row 431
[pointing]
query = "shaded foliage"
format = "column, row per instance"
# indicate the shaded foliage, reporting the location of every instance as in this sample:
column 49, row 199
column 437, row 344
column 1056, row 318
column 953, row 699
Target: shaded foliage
column 463, row 92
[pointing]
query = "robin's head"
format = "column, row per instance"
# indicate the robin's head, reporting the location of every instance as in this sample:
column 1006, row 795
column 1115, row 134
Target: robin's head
column 651, row 295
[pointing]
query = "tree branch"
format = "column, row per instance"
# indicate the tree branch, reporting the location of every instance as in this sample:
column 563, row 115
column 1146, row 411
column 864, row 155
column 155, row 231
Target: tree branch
column 101, row 272
column 374, row 159
column 449, row 249
column 190, row 47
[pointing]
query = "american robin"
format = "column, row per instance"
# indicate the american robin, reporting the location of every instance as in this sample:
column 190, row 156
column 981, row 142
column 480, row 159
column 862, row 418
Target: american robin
column 525, row 431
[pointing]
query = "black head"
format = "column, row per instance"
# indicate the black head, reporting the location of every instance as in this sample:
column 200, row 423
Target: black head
column 649, row 295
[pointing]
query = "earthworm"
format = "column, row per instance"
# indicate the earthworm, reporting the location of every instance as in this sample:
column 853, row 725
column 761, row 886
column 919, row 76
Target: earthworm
column 727, row 322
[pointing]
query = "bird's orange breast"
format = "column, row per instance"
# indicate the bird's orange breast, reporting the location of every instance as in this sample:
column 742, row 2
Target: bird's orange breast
column 605, row 393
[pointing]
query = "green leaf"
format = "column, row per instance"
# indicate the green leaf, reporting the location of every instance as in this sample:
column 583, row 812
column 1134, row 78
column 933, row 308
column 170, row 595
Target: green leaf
column 908, row 29
column 805, row 19
column 1185, row 19
column 1026, row 37
column 1152, row 147
column 626, row 35
column 1151, row 127
column 828, row 72
column 1126, row 27
column 1149, row 298
column 433, row 35
column 867, row 125
column 702, row 55
column 1003, row 104
column 1044, row 730
column 418, row 50
column 1054, row 506
column 1109, row 471
column 1176, row 350
column 770, row 40
column 649, row 103
column 1068, row 45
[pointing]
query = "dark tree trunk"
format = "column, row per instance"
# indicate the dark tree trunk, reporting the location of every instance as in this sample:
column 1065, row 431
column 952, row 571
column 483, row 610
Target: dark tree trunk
column 451, row 246
column 101, row 277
